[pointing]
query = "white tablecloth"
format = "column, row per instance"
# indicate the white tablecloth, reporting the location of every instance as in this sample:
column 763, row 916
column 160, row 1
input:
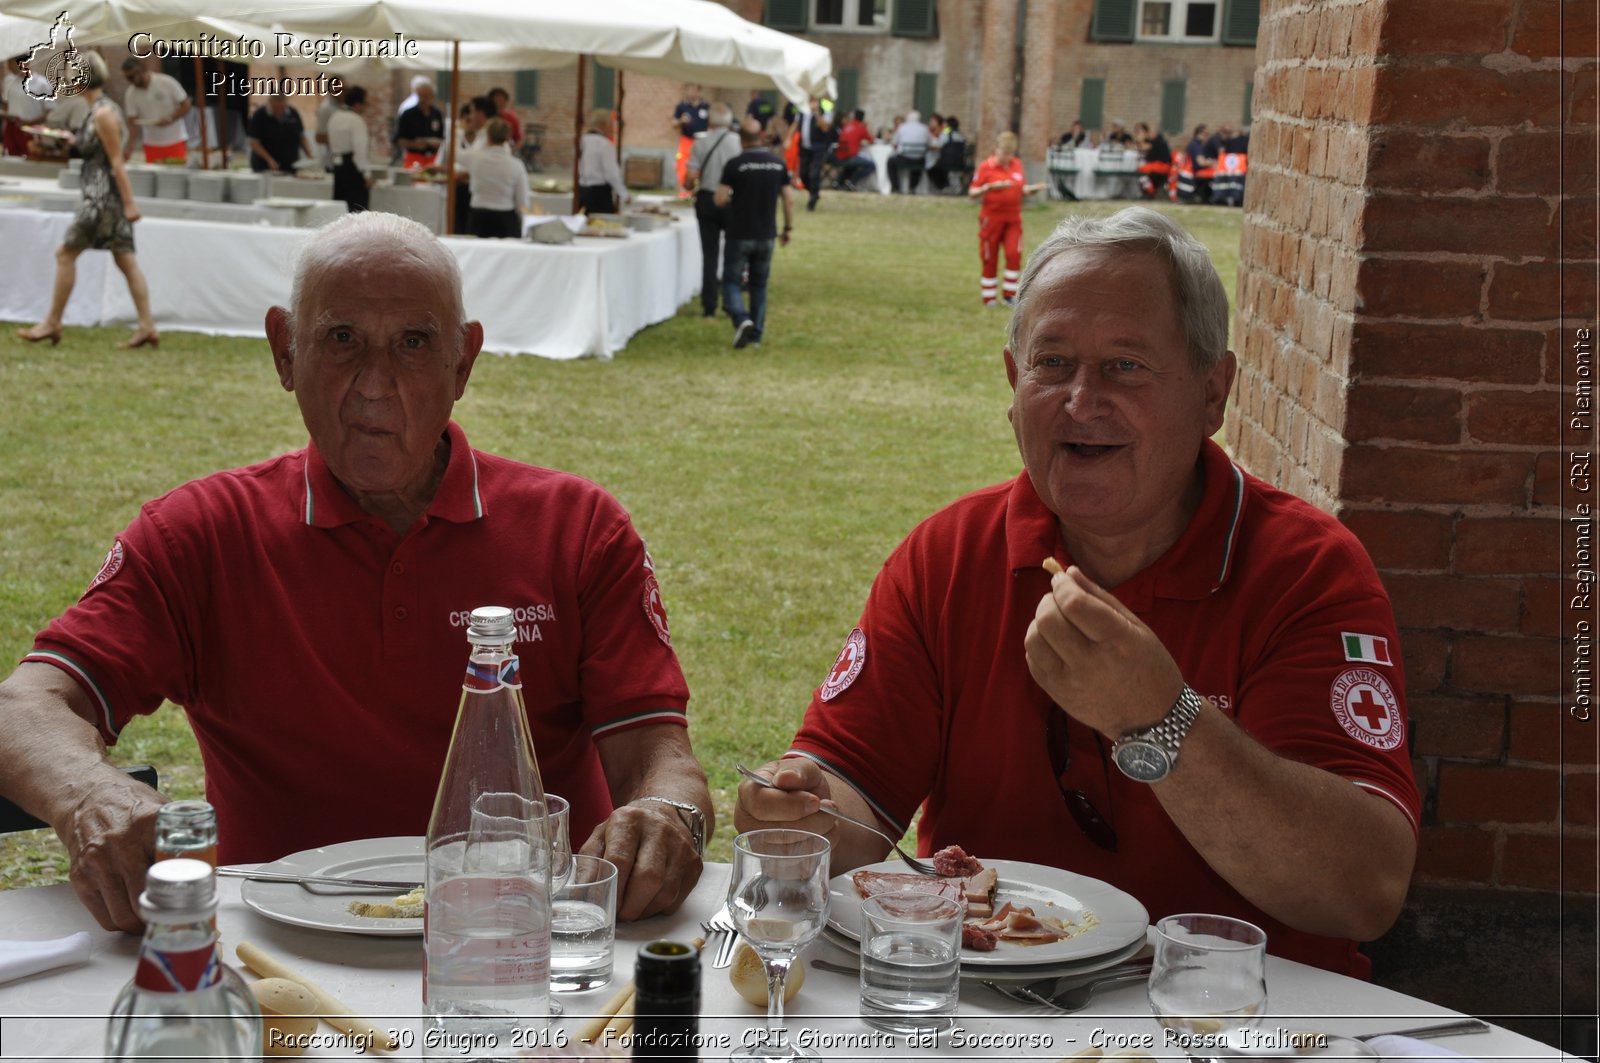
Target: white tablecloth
column 566, row 301
column 881, row 154
column 380, row 978
column 1093, row 175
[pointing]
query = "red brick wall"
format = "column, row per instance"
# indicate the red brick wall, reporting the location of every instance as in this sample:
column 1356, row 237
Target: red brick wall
column 1408, row 228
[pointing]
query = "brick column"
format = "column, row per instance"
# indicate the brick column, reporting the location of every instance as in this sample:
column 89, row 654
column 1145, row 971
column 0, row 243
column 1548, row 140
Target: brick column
column 1411, row 245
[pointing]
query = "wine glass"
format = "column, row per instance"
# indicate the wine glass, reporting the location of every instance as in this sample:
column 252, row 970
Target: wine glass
column 778, row 898
column 1208, row 985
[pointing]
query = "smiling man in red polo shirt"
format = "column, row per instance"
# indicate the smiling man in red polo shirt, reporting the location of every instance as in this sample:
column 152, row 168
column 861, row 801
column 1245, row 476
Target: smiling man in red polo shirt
column 1204, row 709
column 310, row 615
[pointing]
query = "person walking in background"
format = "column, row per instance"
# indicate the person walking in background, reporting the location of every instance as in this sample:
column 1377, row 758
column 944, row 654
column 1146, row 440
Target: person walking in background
column 999, row 184
column 817, row 138
column 105, row 214
column 600, row 187
column 712, row 151
column 691, row 116
column 155, row 105
column 753, row 183
column 348, row 142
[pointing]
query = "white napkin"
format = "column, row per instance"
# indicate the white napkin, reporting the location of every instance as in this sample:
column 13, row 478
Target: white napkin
column 18, row 959
column 1391, row 1047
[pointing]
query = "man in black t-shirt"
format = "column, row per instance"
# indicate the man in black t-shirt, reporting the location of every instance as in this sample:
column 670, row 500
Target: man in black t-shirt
column 421, row 129
column 277, row 136
column 753, row 183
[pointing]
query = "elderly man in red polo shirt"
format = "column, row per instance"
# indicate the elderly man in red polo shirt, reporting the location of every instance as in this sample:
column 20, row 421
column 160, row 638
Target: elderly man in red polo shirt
column 309, row 613
column 1204, row 708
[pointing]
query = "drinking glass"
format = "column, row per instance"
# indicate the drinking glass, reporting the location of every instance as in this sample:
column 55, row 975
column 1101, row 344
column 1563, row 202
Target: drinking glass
column 560, row 842
column 1208, row 984
column 910, row 962
column 778, row 898
column 583, row 926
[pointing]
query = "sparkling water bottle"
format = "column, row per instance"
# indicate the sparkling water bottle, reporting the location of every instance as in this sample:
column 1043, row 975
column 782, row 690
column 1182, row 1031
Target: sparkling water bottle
column 486, row 936
column 187, row 829
column 183, row 1000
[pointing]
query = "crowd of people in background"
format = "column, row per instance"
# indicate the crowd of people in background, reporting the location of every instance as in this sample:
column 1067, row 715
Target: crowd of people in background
column 1210, row 168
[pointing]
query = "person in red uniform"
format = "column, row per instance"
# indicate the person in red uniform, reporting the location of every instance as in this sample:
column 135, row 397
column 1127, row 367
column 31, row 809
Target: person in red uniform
column 1205, row 709
column 999, row 183
column 309, row 613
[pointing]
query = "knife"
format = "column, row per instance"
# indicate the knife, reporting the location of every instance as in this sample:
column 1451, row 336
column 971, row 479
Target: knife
column 363, row 884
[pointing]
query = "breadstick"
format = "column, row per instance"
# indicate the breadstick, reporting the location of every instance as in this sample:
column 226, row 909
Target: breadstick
column 1052, row 566
column 617, row 1015
column 330, row 1008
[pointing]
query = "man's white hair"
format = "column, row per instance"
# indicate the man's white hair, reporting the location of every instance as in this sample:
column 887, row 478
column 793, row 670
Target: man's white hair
column 419, row 81
column 913, row 116
column 324, row 250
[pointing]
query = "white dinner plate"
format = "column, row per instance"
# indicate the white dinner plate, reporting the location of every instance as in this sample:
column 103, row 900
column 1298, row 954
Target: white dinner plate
column 1122, row 920
column 1016, row 973
column 400, row 859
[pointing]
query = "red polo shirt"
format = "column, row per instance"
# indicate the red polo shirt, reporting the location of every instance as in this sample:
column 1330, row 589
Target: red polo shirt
column 1254, row 601
column 1001, row 202
column 319, row 655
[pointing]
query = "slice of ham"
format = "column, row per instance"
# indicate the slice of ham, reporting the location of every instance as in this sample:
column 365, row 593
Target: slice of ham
column 1011, row 923
column 871, row 883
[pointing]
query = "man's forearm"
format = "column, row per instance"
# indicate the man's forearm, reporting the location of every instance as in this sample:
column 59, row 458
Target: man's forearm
column 1304, row 845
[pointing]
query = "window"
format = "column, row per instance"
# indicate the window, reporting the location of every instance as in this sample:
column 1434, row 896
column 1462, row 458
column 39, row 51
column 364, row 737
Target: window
column 525, row 92
column 849, row 81
column 915, row 18
column 871, row 16
column 1249, row 99
column 925, row 93
column 605, row 87
column 1174, row 96
column 1092, row 103
column 1178, row 20
column 441, row 85
column 787, row 15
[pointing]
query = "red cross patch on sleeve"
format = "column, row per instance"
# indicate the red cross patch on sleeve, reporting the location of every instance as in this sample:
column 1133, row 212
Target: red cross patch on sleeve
column 109, row 567
column 1365, row 706
column 846, row 667
column 655, row 610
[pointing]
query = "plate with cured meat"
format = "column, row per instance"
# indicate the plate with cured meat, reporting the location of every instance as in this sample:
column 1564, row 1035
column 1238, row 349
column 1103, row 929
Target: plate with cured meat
column 1017, row 913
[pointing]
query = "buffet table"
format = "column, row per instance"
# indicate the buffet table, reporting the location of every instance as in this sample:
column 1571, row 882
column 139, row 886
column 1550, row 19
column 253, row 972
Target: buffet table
column 59, row 1014
column 586, row 298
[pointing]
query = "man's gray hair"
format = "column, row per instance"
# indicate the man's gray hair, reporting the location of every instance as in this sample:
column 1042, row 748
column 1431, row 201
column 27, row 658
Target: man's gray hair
column 1201, row 300
column 721, row 116
column 322, row 251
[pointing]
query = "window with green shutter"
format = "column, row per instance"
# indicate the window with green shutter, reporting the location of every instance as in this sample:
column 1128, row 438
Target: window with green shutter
column 1113, row 20
column 1174, row 96
column 1249, row 101
column 925, row 93
column 441, row 85
column 526, row 89
column 1240, row 20
column 605, row 86
column 915, row 18
column 1092, row 103
column 787, row 15
column 849, row 81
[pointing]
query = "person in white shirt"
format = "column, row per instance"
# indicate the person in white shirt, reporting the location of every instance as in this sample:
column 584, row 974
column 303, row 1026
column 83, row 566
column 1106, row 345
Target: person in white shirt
column 19, row 107
column 155, row 105
column 347, row 145
column 499, row 184
column 911, row 141
column 600, row 187
column 325, row 113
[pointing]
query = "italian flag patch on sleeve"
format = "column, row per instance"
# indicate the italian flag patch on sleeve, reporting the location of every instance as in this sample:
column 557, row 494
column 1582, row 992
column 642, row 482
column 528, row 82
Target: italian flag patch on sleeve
column 1368, row 649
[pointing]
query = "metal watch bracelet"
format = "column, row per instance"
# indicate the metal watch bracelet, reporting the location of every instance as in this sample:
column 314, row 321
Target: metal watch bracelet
column 696, row 820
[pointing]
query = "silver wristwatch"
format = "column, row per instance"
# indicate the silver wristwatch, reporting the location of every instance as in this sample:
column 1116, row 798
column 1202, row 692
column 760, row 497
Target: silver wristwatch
column 696, row 820
column 1149, row 755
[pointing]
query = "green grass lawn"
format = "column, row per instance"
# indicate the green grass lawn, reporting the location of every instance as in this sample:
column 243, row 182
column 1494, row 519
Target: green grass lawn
column 770, row 482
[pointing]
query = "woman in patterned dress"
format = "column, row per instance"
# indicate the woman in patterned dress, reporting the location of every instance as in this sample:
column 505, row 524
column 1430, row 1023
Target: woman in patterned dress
column 105, row 217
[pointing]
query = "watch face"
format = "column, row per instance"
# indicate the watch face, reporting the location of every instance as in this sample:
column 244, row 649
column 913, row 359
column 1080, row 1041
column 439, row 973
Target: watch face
column 1142, row 760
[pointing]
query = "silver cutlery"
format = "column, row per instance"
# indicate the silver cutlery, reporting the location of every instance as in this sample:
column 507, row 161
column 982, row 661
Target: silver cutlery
column 835, row 968
column 921, row 867
column 1438, row 1029
column 722, row 923
column 366, row 885
column 1072, row 998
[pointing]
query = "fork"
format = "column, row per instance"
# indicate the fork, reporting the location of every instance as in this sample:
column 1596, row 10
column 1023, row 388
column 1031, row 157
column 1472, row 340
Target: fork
column 722, row 923
column 921, row 867
column 1075, row 998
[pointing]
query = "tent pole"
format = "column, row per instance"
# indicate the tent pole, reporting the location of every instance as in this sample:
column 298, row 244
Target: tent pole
column 621, row 93
column 455, row 134
column 200, row 91
column 577, row 132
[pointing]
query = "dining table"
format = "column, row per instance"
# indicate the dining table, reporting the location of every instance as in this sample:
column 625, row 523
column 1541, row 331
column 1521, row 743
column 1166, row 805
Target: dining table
column 61, row 1013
